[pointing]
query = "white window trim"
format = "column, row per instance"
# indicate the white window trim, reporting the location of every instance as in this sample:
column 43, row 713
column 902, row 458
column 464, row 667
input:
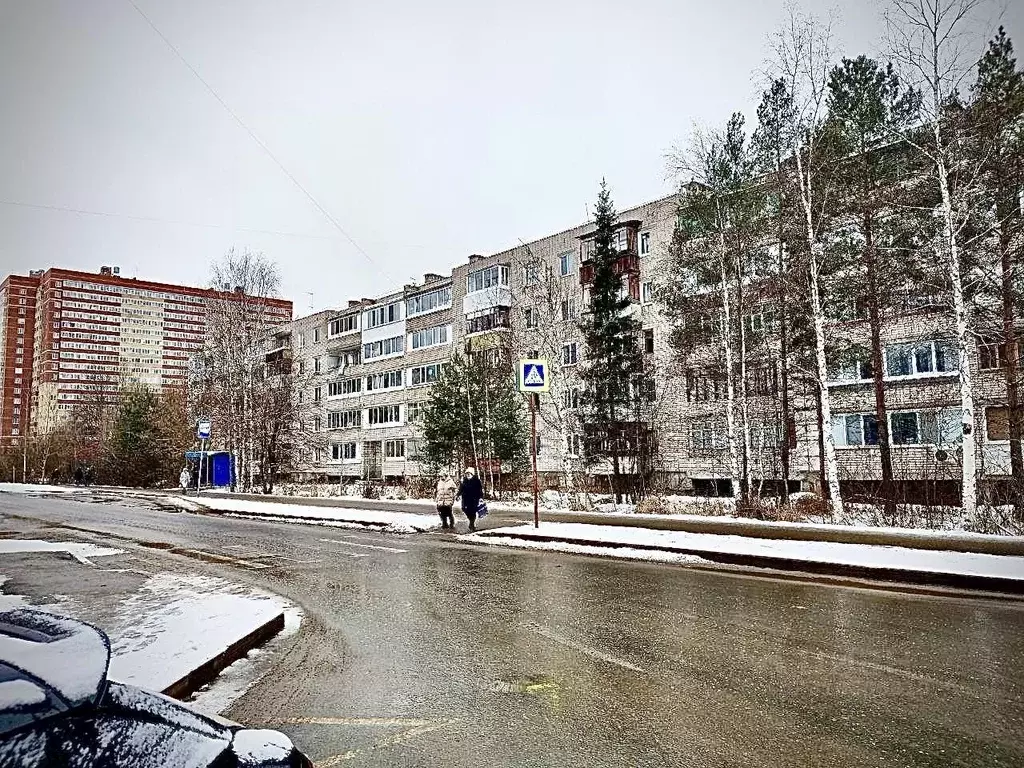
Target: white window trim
column 894, row 445
column 907, row 377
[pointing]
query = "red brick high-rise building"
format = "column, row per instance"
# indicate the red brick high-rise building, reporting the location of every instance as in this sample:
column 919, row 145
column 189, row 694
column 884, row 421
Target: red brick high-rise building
column 17, row 329
column 69, row 337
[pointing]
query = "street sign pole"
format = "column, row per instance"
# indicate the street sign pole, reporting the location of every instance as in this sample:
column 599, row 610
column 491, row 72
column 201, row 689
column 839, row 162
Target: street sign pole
column 533, row 375
column 199, row 474
column 203, row 429
column 533, row 450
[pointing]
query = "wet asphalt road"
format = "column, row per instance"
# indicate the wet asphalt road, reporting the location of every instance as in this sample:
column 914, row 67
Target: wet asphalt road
column 426, row 651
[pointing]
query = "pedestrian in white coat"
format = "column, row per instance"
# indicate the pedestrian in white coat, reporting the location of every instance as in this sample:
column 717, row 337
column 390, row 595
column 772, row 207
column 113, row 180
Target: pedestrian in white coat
column 444, row 497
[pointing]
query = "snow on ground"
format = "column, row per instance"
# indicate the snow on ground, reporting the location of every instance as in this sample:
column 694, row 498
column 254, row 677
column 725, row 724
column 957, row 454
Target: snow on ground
column 32, row 488
column 394, row 522
column 175, row 624
column 586, row 549
column 858, row 555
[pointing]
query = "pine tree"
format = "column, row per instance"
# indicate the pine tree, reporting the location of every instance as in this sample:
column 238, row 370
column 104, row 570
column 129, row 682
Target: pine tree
column 134, row 457
column 867, row 107
column 612, row 372
column 999, row 117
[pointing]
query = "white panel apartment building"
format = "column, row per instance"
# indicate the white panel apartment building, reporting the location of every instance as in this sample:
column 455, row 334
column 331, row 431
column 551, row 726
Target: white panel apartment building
column 381, row 355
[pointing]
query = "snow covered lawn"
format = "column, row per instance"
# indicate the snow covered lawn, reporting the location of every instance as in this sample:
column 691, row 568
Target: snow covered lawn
column 654, row 544
column 394, row 522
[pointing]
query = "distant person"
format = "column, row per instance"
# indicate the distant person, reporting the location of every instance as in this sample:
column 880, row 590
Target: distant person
column 185, row 479
column 444, row 497
column 79, row 475
column 471, row 491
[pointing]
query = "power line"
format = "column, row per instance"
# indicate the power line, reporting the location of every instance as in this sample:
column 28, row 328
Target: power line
column 257, row 139
column 157, row 220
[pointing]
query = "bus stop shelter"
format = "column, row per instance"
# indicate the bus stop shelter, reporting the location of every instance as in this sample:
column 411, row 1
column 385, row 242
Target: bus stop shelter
column 218, row 468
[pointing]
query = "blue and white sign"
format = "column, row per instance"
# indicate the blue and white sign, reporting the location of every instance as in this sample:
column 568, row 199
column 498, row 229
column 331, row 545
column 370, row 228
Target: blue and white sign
column 534, row 375
column 203, row 429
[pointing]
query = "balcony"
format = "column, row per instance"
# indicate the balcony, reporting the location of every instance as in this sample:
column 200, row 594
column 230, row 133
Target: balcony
column 497, row 318
column 625, row 264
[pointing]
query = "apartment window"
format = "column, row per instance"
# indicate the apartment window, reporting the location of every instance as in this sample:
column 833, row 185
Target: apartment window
column 425, row 374
column 344, row 419
column 997, row 423
column 573, row 445
column 302, row 396
column 649, row 341
column 530, row 317
column 921, row 358
column 300, row 340
column 571, row 398
column 317, row 394
column 385, row 315
column 316, row 365
column 384, row 414
column 393, row 346
column 414, row 412
column 569, row 354
column 925, row 427
column 343, row 325
column 702, row 387
column 488, row 277
column 531, row 273
column 764, row 436
column 428, row 302
column 498, row 317
column 388, row 380
column 317, row 424
column 647, row 292
column 430, row 337
column 316, row 335
column 853, row 370
column 991, row 355
column 342, row 451
column 345, row 387
column 645, row 389
column 394, row 449
column 565, row 264
column 302, row 367
column 707, row 435
column 757, row 322
column 645, row 243
column 761, row 380
column 568, row 309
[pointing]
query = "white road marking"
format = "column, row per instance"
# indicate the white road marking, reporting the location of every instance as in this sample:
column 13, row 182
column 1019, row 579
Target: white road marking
column 365, row 546
column 584, row 649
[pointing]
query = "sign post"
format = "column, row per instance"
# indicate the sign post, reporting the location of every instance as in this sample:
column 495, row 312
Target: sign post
column 203, row 429
column 534, row 378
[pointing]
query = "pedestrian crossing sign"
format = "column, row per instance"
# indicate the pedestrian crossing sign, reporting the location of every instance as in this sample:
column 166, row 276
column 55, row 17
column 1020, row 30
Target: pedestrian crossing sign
column 534, row 376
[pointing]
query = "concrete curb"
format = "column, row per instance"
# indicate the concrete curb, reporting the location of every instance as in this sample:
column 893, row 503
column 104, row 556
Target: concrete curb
column 928, row 578
column 207, row 672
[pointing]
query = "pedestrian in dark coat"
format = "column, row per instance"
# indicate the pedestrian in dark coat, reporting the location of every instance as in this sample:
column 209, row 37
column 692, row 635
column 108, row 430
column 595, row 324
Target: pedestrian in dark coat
column 471, row 491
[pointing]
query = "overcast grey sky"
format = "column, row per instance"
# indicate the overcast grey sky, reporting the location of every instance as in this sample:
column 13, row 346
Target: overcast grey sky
column 429, row 131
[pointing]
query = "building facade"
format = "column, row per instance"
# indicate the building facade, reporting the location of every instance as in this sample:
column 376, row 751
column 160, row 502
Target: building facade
column 87, row 334
column 17, row 328
column 382, row 354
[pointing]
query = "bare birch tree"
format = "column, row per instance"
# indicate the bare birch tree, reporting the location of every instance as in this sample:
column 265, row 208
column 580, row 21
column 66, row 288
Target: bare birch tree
column 803, row 61
column 933, row 44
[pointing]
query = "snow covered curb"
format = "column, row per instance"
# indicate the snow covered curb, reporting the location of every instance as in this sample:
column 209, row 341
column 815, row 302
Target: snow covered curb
column 1002, row 572
column 32, row 489
column 391, row 522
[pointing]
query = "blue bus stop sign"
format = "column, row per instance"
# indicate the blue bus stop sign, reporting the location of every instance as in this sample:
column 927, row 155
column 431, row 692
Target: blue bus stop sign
column 203, row 429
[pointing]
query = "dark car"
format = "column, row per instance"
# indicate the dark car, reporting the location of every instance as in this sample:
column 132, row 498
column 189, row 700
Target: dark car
column 57, row 708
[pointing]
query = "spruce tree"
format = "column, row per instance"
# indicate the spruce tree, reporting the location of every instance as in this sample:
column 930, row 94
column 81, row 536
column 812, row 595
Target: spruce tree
column 613, row 362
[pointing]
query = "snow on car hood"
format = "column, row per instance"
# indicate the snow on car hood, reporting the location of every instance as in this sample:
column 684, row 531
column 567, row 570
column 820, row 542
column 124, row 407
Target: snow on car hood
column 67, row 655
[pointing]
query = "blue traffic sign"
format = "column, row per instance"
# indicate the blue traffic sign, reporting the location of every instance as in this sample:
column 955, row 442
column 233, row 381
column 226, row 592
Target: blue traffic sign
column 534, row 375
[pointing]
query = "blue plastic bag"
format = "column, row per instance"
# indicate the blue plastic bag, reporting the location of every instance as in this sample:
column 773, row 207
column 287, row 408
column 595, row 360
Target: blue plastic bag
column 481, row 509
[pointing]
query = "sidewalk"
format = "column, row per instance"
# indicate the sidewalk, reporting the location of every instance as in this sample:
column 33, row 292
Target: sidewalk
column 419, row 515
column 1004, row 573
